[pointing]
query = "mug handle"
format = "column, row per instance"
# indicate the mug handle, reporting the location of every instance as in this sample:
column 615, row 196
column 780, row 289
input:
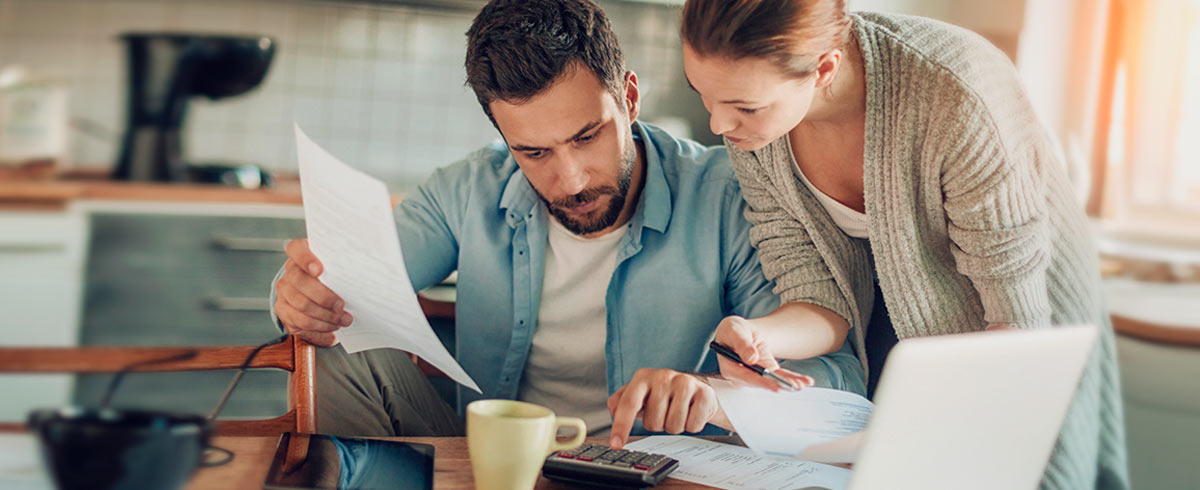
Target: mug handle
column 580, row 433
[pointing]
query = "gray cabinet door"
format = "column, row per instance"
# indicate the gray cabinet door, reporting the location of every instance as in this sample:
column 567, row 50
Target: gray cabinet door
column 158, row 279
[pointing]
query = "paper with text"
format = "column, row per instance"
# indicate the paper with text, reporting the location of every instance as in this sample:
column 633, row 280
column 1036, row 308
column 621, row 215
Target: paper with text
column 348, row 216
column 735, row 467
column 786, row 423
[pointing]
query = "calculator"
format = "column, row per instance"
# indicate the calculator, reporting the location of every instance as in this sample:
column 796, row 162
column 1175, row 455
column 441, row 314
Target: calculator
column 597, row 465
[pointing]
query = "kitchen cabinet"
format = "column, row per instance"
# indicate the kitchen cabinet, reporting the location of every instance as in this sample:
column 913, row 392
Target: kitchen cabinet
column 109, row 263
column 41, row 265
column 1162, row 410
column 184, row 274
column 113, row 272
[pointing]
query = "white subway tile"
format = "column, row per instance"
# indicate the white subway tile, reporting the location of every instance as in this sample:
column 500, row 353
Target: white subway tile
column 314, row 71
column 381, row 83
column 346, row 115
column 310, row 111
column 123, row 16
column 351, row 29
column 263, row 148
column 391, row 78
column 351, row 76
column 314, row 23
column 391, row 32
column 277, row 20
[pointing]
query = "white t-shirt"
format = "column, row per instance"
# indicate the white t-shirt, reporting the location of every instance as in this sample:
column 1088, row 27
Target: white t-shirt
column 852, row 222
column 565, row 370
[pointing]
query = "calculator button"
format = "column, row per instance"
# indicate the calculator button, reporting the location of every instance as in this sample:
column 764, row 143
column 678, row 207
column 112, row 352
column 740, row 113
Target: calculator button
column 606, row 466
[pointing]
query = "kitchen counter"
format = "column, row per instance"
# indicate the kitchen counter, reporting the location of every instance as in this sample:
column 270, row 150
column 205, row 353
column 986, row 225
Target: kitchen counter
column 56, row 193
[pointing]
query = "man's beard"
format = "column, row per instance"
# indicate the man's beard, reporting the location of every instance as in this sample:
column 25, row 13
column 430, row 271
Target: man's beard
column 610, row 215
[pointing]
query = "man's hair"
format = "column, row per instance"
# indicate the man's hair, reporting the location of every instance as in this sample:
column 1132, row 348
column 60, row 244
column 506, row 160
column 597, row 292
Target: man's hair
column 517, row 48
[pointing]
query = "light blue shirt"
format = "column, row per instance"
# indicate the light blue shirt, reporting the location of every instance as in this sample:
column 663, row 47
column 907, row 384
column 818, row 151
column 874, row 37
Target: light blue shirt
column 684, row 263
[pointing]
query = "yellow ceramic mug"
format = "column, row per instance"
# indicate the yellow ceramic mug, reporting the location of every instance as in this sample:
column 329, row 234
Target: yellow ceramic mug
column 509, row 440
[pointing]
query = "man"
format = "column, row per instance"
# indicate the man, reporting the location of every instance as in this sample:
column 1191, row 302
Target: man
column 595, row 254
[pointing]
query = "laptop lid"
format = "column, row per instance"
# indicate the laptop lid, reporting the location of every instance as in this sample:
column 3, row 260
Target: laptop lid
column 978, row 410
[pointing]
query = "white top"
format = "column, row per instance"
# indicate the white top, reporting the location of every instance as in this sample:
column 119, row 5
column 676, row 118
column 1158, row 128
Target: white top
column 852, row 222
column 565, row 371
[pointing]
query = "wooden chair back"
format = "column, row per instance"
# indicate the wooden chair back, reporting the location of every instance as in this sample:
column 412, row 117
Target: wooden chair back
column 294, row 355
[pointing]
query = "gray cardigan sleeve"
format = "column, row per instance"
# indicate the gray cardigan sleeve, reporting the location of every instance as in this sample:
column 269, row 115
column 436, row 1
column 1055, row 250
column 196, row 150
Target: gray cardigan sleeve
column 787, row 252
column 997, row 211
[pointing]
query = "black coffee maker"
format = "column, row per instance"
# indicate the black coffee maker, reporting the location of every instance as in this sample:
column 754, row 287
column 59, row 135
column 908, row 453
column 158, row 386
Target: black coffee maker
column 165, row 71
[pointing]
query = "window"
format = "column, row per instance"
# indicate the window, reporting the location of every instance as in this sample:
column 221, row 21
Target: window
column 1151, row 160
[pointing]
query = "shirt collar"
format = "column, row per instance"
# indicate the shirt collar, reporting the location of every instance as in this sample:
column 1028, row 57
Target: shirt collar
column 519, row 199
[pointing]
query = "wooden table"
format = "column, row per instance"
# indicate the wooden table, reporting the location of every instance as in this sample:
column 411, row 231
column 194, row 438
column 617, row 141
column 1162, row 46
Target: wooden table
column 452, row 466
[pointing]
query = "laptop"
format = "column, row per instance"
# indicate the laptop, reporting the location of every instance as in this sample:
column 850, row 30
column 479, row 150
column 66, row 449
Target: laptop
column 978, row 410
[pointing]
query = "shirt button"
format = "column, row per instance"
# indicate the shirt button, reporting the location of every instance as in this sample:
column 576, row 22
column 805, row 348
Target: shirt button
column 520, row 322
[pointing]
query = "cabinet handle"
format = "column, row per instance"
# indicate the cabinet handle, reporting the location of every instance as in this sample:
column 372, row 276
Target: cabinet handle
column 246, row 244
column 222, row 303
column 32, row 248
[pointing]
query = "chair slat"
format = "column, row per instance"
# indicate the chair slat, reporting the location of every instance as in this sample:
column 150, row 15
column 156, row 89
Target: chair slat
column 261, row 427
column 114, row 359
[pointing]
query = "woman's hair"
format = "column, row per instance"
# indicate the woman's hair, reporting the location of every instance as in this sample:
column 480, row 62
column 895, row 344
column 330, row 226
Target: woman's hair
column 792, row 34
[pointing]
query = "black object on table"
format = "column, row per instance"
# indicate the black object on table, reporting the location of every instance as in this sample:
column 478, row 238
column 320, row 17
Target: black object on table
column 601, row 466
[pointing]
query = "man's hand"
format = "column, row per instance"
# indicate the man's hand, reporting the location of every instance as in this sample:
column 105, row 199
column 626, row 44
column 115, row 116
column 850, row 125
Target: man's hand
column 305, row 307
column 668, row 401
column 740, row 335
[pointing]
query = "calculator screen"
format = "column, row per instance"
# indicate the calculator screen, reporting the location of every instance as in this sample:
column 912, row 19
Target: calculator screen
column 311, row 461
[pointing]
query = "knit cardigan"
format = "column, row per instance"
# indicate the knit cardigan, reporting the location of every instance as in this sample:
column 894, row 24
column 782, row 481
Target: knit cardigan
column 972, row 222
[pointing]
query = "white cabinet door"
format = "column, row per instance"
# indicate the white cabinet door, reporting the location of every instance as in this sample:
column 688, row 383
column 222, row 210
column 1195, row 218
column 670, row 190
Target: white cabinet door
column 41, row 268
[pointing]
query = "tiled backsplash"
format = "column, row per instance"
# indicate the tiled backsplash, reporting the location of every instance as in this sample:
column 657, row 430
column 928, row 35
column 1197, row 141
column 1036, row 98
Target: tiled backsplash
column 380, row 86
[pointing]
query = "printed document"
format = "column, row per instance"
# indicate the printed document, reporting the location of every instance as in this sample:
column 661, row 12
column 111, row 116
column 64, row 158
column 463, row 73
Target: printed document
column 825, row 422
column 348, row 216
column 735, row 467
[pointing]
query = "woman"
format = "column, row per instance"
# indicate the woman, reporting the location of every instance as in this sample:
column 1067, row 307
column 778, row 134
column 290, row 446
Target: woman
column 899, row 186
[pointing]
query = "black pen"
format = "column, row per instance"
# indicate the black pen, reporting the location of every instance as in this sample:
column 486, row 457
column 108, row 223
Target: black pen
column 764, row 372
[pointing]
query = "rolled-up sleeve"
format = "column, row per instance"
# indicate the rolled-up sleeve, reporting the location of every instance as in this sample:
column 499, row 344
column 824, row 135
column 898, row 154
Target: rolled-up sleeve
column 787, row 252
column 995, row 202
column 789, row 257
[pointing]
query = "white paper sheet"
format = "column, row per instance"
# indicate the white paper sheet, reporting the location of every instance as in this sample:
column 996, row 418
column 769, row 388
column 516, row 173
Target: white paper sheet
column 735, row 467
column 844, row 450
column 786, row 423
column 348, row 216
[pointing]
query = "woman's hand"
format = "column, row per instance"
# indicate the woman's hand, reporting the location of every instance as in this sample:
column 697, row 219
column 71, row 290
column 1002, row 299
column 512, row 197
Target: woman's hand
column 744, row 338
